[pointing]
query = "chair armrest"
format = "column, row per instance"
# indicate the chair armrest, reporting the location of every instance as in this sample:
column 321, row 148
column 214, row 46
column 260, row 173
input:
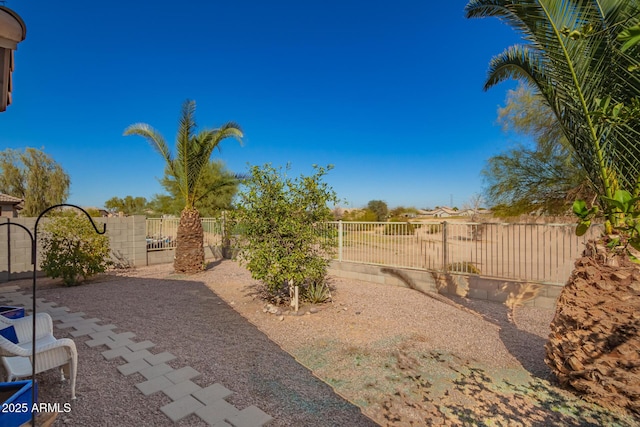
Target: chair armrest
column 9, row 349
column 57, row 343
column 24, row 327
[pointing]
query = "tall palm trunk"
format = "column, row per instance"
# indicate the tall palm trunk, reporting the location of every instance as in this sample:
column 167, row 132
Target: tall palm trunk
column 190, row 248
column 594, row 345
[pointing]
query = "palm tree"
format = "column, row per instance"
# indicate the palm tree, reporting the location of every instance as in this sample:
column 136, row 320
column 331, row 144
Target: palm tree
column 574, row 61
column 193, row 154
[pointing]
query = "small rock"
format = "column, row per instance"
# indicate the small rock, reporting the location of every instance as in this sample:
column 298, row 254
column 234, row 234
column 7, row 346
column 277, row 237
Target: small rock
column 344, row 308
column 313, row 310
column 357, row 312
column 278, row 313
column 232, row 303
column 308, row 313
column 281, row 318
column 264, row 310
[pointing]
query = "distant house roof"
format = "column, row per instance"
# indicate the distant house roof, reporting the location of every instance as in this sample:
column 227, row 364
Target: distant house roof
column 6, row 199
column 9, row 205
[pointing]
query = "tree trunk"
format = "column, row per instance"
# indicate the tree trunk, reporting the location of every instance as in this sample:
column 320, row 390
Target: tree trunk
column 594, row 345
column 189, row 246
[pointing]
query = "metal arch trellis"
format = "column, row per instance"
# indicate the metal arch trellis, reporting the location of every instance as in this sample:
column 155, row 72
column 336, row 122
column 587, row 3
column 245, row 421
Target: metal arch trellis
column 34, row 242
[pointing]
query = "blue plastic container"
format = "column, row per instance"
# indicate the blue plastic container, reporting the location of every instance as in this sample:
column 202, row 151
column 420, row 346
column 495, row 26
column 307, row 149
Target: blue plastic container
column 11, row 312
column 16, row 403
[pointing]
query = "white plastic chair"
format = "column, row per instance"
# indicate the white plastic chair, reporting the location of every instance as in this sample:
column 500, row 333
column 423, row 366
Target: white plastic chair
column 51, row 352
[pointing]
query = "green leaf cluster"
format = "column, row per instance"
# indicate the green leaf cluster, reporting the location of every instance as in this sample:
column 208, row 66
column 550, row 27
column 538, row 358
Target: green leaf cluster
column 626, row 210
column 630, row 37
column 284, row 237
column 72, row 250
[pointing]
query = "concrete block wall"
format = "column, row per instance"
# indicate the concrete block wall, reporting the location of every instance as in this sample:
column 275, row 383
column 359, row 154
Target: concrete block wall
column 510, row 292
column 18, row 264
column 127, row 237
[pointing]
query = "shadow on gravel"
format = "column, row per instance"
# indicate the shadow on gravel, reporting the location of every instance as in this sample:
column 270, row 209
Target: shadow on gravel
column 526, row 347
column 188, row 320
column 454, row 391
column 508, row 400
column 485, row 397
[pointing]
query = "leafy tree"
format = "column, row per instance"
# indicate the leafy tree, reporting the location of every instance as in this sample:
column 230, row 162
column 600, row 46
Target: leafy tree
column 284, row 244
column 72, row 250
column 379, row 208
column 129, row 205
column 216, row 189
column 575, row 61
column 187, row 168
column 538, row 176
column 35, row 177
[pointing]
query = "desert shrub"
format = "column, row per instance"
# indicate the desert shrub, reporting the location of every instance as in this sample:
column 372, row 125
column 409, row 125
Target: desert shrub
column 463, row 267
column 280, row 243
column 364, row 215
column 399, row 229
column 316, row 292
column 72, row 250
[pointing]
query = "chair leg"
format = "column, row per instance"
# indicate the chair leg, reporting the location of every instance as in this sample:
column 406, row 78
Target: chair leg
column 73, row 370
column 64, row 370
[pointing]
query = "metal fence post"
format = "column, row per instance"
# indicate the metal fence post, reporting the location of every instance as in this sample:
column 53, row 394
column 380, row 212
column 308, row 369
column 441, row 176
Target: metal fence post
column 444, row 246
column 9, row 249
column 340, row 241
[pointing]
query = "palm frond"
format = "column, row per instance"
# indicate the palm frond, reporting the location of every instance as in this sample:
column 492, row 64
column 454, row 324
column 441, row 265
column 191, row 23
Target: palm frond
column 572, row 55
column 193, row 150
column 203, row 145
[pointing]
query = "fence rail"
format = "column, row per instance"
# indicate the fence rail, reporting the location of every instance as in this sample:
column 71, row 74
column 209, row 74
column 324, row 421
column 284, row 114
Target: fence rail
column 162, row 233
column 539, row 253
column 542, row 253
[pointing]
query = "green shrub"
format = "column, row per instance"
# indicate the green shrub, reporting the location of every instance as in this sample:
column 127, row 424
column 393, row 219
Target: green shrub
column 72, row 250
column 463, row 267
column 280, row 243
column 398, row 229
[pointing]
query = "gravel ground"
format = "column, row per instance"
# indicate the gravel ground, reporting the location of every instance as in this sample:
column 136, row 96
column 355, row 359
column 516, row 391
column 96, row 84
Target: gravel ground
column 401, row 357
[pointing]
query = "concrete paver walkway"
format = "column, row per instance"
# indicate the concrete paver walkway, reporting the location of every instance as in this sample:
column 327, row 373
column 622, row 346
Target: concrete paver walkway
column 188, row 398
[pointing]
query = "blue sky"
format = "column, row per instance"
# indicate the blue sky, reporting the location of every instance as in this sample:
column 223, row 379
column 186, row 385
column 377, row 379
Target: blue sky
column 389, row 93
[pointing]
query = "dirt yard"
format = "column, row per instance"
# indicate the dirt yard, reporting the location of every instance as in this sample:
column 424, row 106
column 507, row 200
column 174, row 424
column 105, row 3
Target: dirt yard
column 408, row 359
column 402, row 357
